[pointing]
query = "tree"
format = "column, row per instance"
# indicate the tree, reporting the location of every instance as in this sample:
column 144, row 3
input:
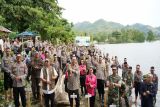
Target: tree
column 151, row 36
column 43, row 16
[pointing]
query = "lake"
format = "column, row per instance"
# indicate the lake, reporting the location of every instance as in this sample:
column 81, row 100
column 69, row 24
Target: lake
column 146, row 54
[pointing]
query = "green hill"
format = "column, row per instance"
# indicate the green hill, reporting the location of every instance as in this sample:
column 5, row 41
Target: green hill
column 102, row 26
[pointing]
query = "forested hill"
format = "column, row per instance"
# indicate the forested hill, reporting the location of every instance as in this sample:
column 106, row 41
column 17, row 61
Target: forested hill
column 108, row 27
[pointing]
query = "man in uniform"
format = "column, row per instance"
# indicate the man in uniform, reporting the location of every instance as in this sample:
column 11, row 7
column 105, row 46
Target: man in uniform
column 129, row 80
column 114, row 85
column 148, row 92
column 19, row 72
column 123, row 95
column 124, row 70
column 7, row 60
column 36, row 64
column 73, row 83
column 101, row 75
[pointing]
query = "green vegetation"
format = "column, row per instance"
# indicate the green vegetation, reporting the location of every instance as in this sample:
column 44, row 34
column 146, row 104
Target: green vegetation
column 42, row 16
column 151, row 36
column 122, row 36
column 111, row 32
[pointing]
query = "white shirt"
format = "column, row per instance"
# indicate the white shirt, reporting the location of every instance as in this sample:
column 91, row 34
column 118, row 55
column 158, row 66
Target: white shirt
column 48, row 79
column 1, row 43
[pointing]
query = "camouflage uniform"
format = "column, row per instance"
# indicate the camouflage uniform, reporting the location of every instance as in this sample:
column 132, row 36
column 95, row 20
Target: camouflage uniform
column 129, row 81
column 123, row 94
column 113, row 92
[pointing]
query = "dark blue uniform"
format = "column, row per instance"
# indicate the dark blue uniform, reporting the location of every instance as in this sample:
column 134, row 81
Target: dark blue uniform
column 147, row 100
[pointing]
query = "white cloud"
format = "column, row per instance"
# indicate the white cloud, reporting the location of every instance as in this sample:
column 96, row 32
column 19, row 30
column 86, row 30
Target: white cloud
column 122, row 11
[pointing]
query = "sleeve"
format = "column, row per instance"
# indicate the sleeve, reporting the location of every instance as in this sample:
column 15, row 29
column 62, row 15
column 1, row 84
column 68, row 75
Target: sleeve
column 41, row 74
column 4, row 68
column 142, row 89
column 55, row 72
column 153, row 91
column 95, row 83
column 76, row 71
column 86, row 81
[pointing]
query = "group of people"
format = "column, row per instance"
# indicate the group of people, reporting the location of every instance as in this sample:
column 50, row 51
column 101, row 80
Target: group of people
column 86, row 70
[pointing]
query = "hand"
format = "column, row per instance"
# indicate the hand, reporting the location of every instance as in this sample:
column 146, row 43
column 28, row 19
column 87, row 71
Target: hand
column 113, row 84
column 18, row 78
column 148, row 92
column 48, row 82
column 54, row 77
column 144, row 94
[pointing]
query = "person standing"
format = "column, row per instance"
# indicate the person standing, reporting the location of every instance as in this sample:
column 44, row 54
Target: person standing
column 101, row 75
column 83, row 73
column 137, row 81
column 7, row 61
column 114, row 85
column 148, row 92
column 19, row 72
column 36, row 64
column 73, row 81
column 91, row 84
column 48, row 76
column 129, row 80
column 155, row 81
column 124, row 70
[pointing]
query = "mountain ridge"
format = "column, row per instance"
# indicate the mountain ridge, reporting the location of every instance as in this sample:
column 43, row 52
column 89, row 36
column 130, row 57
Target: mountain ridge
column 102, row 25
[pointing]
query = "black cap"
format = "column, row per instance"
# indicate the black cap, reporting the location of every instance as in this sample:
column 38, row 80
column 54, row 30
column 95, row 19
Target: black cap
column 152, row 67
column 130, row 67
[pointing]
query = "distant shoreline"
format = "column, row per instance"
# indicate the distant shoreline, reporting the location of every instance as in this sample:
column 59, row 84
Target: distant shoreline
column 125, row 42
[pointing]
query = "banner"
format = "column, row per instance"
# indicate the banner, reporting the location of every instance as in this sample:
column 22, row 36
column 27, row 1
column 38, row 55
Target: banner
column 82, row 41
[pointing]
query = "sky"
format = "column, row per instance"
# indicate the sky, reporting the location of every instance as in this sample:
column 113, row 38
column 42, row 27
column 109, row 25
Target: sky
column 126, row 12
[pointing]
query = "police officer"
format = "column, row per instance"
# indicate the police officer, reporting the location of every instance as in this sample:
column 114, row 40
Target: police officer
column 73, row 83
column 18, row 73
column 101, row 75
column 7, row 60
column 148, row 92
column 114, row 85
column 36, row 64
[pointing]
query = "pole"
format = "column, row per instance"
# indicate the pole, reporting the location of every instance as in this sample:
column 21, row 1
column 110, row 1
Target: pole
column 73, row 97
column 88, row 96
column 105, row 97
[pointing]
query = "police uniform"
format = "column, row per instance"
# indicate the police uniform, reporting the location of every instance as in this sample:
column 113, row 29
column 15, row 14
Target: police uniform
column 73, row 83
column 113, row 92
column 6, row 65
column 19, row 70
